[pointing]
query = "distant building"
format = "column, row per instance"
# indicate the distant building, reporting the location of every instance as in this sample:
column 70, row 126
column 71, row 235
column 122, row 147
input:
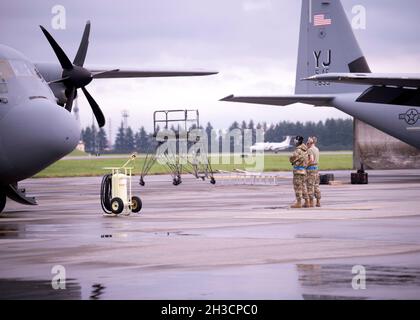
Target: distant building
column 81, row 146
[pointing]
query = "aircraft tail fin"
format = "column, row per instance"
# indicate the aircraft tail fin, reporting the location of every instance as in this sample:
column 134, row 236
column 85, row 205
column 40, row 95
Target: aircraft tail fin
column 327, row 45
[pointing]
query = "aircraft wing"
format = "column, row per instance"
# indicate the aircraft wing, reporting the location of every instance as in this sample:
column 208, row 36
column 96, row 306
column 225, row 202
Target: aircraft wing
column 137, row 73
column 53, row 71
column 373, row 79
column 313, row 99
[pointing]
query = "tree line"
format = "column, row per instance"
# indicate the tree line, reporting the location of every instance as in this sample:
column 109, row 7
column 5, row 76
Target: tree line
column 333, row 134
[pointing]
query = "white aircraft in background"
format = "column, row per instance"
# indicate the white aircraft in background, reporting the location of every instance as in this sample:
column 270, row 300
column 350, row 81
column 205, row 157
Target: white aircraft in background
column 271, row 146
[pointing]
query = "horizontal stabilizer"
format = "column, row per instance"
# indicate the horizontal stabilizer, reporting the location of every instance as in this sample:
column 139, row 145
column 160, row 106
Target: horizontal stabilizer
column 133, row 73
column 313, row 99
column 373, row 79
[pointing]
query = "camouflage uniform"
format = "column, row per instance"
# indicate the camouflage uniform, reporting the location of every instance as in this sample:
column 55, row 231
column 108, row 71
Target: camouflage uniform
column 299, row 160
column 312, row 174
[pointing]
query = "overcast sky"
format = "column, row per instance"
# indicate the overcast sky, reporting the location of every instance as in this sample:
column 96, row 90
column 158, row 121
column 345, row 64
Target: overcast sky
column 252, row 43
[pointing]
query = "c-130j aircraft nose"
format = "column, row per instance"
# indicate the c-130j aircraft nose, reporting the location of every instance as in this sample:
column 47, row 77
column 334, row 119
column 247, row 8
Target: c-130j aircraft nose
column 43, row 132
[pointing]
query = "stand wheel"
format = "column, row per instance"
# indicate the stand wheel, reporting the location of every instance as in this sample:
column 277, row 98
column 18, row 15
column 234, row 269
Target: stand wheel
column 212, row 180
column 136, row 204
column 142, row 183
column 117, row 205
column 326, row 178
column 176, row 181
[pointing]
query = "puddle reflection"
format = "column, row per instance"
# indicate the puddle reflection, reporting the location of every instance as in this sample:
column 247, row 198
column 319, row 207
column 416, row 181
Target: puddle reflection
column 12, row 231
column 18, row 289
column 318, row 280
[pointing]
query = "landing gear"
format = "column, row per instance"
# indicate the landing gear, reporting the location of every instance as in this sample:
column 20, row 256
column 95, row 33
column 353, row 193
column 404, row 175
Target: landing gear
column 12, row 192
column 2, row 201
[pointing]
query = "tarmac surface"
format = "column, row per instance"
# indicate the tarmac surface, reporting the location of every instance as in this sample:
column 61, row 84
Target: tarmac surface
column 223, row 241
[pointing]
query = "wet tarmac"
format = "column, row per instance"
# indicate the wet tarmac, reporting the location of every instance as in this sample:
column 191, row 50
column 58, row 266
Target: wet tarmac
column 223, row 241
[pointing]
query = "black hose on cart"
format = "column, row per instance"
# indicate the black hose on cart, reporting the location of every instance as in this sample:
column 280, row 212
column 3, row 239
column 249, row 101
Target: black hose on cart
column 106, row 193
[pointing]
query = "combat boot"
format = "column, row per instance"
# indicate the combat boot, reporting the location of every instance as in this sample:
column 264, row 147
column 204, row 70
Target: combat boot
column 306, row 204
column 311, row 203
column 297, row 205
column 318, row 203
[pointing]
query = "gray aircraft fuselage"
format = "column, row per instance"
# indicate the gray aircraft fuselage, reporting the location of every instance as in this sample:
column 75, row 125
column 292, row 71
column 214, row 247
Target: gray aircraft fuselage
column 395, row 120
column 36, row 124
column 34, row 131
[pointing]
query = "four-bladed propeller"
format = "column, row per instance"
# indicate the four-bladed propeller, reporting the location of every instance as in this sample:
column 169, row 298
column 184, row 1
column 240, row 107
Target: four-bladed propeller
column 74, row 76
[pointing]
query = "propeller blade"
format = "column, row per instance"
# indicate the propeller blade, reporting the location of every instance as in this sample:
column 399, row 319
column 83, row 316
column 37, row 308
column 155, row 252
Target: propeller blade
column 59, row 80
column 102, row 73
column 61, row 56
column 79, row 60
column 70, row 94
column 95, row 108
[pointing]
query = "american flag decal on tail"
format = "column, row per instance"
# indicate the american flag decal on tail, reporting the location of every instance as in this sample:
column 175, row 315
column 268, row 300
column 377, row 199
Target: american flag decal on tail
column 320, row 20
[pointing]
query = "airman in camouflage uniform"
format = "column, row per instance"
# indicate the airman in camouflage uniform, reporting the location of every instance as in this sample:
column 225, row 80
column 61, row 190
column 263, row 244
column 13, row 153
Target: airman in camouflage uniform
column 299, row 161
column 312, row 173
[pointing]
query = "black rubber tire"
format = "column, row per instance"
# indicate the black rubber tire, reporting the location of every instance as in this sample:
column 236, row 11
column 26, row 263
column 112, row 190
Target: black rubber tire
column 212, row 180
column 136, row 204
column 117, row 205
column 359, row 178
column 2, row 201
column 326, row 178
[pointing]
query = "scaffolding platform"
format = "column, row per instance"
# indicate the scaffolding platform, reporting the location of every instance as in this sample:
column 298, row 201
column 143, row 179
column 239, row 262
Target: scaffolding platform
column 174, row 128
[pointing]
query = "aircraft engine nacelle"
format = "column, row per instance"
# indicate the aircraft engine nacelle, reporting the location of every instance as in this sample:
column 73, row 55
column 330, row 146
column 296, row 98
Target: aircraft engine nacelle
column 51, row 72
column 59, row 92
